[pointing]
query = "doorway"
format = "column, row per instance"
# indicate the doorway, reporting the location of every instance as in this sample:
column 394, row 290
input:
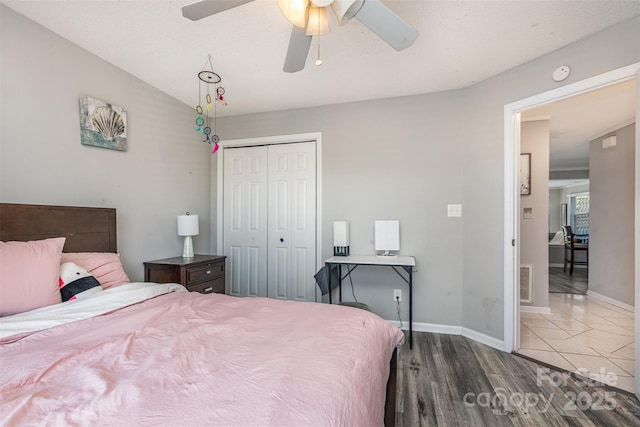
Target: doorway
column 268, row 215
column 512, row 202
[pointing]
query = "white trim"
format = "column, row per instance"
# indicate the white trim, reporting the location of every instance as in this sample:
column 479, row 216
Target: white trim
column 612, row 129
column 637, row 233
column 483, row 339
column 581, row 193
column 511, row 147
column 452, row 330
column 537, row 118
column 270, row 140
column 433, row 328
column 534, row 309
column 588, row 85
column 511, row 231
column 576, row 184
column 611, row 301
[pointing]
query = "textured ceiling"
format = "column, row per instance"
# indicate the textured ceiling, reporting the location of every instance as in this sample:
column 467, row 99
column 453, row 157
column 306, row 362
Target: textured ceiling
column 459, row 44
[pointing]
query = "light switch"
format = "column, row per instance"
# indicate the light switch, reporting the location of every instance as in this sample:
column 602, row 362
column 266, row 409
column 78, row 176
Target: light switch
column 454, row 210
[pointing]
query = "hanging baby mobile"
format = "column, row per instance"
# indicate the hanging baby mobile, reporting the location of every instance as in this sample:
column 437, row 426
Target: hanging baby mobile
column 211, row 81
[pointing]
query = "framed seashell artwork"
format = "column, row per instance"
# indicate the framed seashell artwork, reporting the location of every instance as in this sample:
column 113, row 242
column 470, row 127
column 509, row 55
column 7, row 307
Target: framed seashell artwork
column 102, row 125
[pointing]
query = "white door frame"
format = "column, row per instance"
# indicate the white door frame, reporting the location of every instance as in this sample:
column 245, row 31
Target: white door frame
column 268, row 140
column 511, row 204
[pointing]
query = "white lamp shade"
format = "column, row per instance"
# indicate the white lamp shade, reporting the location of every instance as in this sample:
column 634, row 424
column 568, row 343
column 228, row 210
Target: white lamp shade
column 340, row 233
column 387, row 236
column 318, row 23
column 188, row 225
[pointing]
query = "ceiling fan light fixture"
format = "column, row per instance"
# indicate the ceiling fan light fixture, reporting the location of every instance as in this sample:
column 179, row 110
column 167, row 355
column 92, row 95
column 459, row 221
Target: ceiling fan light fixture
column 318, row 24
column 346, row 9
column 295, row 11
column 321, row 3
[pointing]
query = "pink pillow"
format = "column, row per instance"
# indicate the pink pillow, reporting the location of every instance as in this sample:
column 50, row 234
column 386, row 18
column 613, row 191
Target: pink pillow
column 104, row 266
column 29, row 275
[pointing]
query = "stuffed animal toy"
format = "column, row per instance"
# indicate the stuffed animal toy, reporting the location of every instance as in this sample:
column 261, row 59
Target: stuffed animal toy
column 76, row 282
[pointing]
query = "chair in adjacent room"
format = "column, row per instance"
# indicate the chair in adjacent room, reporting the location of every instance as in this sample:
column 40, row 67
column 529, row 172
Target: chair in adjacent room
column 574, row 243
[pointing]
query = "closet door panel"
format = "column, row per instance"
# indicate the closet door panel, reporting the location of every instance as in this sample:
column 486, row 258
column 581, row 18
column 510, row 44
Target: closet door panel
column 245, row 219
column 269, row 220
column 291, row 223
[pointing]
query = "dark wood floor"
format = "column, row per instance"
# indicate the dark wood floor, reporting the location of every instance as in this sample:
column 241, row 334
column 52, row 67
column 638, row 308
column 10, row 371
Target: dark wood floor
column 449, row 380
column 563, row 283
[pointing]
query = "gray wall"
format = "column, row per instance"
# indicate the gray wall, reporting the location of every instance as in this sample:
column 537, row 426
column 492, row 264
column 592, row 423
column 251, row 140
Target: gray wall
column 164, row 173
column 388, row 159
column 555, row 210
column 534, row 243
column 405, row 157
column 411, row 156
column 612, row 216
column 484, row 157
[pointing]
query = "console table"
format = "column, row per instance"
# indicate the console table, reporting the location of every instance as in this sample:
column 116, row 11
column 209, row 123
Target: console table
column 398, row 263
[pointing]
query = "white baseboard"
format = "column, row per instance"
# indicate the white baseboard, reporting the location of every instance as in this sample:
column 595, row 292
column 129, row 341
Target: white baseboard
column 452, row 330
column 611, row 301
column 483, row 339
column 535, row 309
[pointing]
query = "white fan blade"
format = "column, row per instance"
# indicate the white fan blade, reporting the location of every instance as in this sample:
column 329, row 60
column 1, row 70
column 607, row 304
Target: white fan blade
column 299, row 45
column 346, row 9
column 202, row 9
column 387, row 25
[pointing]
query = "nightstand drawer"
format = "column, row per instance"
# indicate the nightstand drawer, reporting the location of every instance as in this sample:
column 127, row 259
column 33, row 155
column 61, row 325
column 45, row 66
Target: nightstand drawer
column 201, row 273
column 204, row 272
column 209, row 287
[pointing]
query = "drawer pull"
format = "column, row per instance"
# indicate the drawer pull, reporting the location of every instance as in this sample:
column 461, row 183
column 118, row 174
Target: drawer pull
column 209, row 289
column 208, row 271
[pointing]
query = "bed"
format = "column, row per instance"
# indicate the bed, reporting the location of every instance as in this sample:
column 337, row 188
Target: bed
column 155, row 354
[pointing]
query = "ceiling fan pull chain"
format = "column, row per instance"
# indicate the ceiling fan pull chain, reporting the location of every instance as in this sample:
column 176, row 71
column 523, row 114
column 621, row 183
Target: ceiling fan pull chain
column 318, row 61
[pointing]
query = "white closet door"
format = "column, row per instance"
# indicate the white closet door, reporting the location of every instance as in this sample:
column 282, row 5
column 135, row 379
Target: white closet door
column 245, row 219
column 292, row 221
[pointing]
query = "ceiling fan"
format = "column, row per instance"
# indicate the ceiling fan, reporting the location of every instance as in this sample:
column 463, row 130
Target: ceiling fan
column 309, row 18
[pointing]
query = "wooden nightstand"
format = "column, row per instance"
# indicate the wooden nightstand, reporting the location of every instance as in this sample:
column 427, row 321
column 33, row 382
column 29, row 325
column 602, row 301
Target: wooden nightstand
column 202, row 273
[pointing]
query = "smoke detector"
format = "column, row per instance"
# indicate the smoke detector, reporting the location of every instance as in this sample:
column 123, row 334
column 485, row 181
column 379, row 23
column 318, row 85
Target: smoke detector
column 561, row 73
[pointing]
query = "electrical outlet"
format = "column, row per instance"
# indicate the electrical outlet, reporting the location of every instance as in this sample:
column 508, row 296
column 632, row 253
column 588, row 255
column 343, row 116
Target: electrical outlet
column 397, row 295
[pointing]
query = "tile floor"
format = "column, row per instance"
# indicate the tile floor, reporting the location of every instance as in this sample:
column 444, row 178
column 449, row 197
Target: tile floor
column 583, row 333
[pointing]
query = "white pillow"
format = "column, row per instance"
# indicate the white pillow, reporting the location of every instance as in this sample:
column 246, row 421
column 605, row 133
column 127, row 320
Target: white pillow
column 558, row 239
column 76, row 282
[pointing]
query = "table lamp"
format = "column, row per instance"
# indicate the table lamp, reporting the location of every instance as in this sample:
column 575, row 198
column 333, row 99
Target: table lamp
column 187, row 227
column 387, row 237
column 340, row 238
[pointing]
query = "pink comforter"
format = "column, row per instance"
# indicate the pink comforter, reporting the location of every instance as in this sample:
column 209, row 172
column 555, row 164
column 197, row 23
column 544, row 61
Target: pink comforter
column 202, row 360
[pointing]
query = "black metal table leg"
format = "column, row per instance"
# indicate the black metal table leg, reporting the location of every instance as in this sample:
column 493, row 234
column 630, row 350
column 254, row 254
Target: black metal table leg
column 340, row 282
column 410, row 270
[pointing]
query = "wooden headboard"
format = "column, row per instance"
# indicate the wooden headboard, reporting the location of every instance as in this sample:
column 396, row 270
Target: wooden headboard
column 86, row 229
